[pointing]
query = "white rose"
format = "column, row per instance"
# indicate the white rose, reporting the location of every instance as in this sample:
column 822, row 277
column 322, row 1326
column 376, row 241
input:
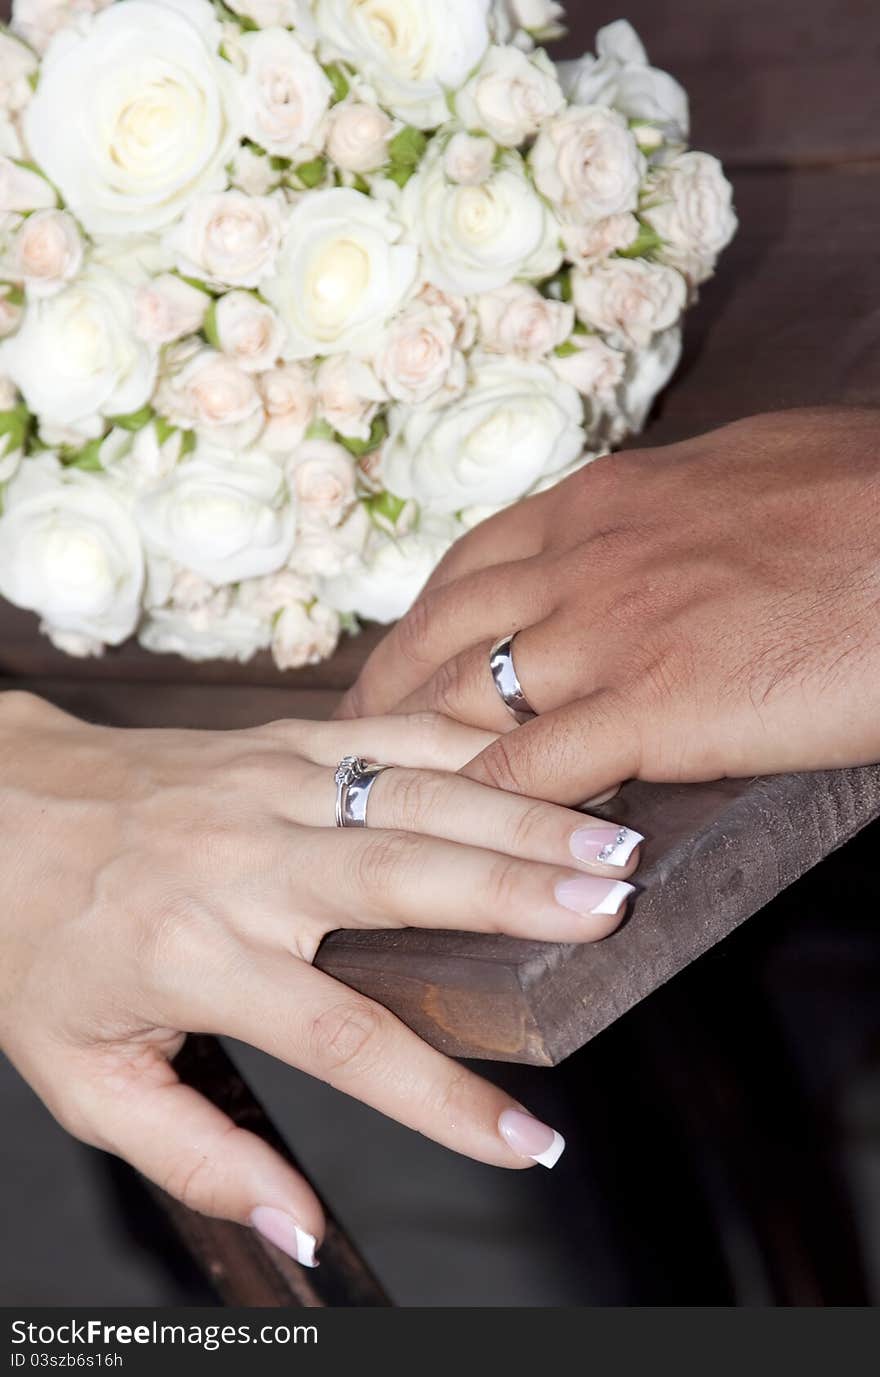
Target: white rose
column 150, row 113
column 70, row 551
column 76, row 355
column 510, row 96
column 322, row 476
column 410, row 51
column 285, row 93
column 266, row 596
column 419, row 361
column 475, row 238
column 621, row 76
column 304, row 635
column 38, row 21
column 459, row 308
column 46, row 252
column 588, row 164
column 647, row 373
column 357, row 136
column 519, row 320
column 594, row 368
column 167, row 308
column 248, row 331
column 11, row 312
column 289, row 401
column 210, row 393
column 22, row 189
column 229, row 238
column 268, row 14
column 145, row 458
column 341, row 273
column 213, row 631
column 252, row 172
column 325, row 552
column 17, row 65
column 225, row 516
column 469, row 158
column 537, row 19
column 586, row 244
column 348, row 395
column 690, row 207
column 629, row 299
column 516, row 422
column 391, row 572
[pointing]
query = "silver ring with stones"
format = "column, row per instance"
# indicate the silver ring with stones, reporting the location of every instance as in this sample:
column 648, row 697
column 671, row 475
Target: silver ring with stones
column 506, row 680
column 354, row 779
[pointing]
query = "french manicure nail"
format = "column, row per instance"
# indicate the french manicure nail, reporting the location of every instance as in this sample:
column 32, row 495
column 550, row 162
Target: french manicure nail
column 282, row 1230
column 587, row 894
column 528, row 1137
column 604, row 845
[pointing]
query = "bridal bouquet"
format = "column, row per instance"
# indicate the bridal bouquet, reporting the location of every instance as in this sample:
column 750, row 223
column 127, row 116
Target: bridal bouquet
column 293, row 292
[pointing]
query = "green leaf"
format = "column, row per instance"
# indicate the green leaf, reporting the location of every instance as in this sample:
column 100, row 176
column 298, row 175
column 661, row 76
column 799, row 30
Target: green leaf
column 407, row 148
column 338, row 80
column 197, row 282
column 558, row 288
column 320, row 430
column 88, row 458
column 313, row 173
column 646, row 242
column 134, row 420
column 361, row 184
column 209, row 325
column 566, row 349
column 378, row 432
column 187, row 443
column 15, row 428
column 400, row 174
column 13, row 292
column 279, row 164
column 386, row 506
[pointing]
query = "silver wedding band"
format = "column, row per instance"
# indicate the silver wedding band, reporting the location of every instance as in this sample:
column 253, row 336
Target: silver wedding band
column 354, row 779
column 506, row 680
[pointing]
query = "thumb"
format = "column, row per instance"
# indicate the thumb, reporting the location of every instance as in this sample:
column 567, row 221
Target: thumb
column 191, row 1149
column 574, row 753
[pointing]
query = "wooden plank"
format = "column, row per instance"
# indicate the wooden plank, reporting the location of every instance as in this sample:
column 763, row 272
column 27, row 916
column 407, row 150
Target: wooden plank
column 786, row 83
column 715, row 854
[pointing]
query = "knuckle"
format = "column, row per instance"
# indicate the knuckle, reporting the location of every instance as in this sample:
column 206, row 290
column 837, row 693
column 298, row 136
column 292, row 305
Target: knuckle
column 388, row 862
column 415, row 795
column 414, row 629
column 500, row 768
column 531, row 821
column 445, row 688
column 193, row 1182
column 453, row 1102
column 504, row 887
column 348, row 1037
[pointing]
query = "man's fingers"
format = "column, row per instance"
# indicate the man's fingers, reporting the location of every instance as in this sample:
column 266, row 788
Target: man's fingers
column 443, row 622
column 422, row 741
column 309, row 1020
column 139, row 1109
column 576, row 752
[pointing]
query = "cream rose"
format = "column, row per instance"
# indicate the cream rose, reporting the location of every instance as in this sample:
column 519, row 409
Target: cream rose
column 510, row 96
column 285, row 94
column 523, row 21
column 304, row 635
column 391, row 572
column 620, row 75
column 476, row 238
column 215, row 630
column 358, row 135
column 144, row 129
column 211, row 393
column 76, row 355
column 167, row 308
column 690, row 206
column 629, row 299
column 348, row 395
column 410, row 51
column 419, row 361
column 594, row 368
column 46, row 252
column 469, row 158
column 519, row 320
column 225, row 516
column 516, row 423
column 70, row 551
column 322, row 476
column 587, row 163
column 22, row 189
column 38, row 21
column 248, row 331
column 288, row 395
column 341, row 273
column 229, row 239
column 587, row 244
column 253, row 172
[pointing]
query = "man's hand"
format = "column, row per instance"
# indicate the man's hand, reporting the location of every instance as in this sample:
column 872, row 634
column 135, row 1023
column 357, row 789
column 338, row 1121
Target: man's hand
column 709, row 609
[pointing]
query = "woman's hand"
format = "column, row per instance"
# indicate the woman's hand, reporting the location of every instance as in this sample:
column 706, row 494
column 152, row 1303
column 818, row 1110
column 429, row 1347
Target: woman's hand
column 163, row 882
column 705, row 610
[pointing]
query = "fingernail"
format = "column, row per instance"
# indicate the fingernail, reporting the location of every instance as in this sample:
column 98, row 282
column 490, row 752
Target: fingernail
column 604, row 845
column 528, row 1137
column 587, row 894
column 279, row 1228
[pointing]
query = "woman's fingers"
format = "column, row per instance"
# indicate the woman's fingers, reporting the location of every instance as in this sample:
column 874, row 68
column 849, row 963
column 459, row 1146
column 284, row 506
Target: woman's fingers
column 446, row 806
column 422, row 740
column 137, row 1108
column 383, row 879
column 444, row 621
column 309, row 1020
